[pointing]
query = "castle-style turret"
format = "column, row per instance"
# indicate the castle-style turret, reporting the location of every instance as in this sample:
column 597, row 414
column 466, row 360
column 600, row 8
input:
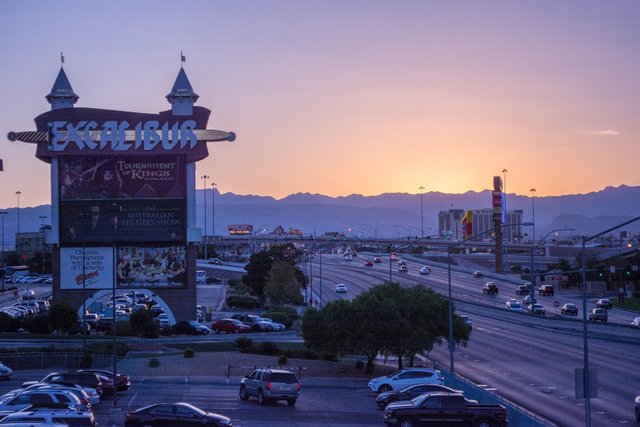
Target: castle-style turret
column 182, row 96
column 62, row 94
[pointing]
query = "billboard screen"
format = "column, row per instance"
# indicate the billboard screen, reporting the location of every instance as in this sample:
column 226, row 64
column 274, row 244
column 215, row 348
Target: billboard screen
column 122, row 177
column 240, row 229
column 88, row 267
column 151, row 267
column 156, row 220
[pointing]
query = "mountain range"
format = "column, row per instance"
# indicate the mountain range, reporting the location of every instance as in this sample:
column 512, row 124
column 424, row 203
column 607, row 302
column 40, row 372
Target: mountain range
column 387, row 215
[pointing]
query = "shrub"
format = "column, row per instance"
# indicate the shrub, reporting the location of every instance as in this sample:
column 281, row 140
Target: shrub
column 124, row 329
column 8, row 323
column 282, row 360
column 188, row 353
column 359, row 364
column 243, row 344
column 243, row 301
column 154, row 363
column 329, row 357
column 269, row 348
column 38, row 324
column 144, row 324
column 166, row 331
column 63, row 318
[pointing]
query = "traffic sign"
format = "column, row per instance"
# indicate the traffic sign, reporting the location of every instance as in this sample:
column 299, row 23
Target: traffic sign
column 556, row 303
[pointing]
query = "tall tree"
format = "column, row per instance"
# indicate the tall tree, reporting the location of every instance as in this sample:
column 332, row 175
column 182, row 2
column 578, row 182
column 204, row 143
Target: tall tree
column 282, row 286
column 261, row 262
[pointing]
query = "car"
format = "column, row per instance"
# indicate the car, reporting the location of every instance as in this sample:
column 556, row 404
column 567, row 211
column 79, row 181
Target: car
column 275, row 326
column 230, row 326
column 467, row 321
column 92, row 319
column 348, row 257
column 523, row 289
column 478, row 274
column 270, row 384
column 537, row 309
column 215, row 261
column 599, row 314
column 635, row 323
column 490, row 288
column 341, row 288
column 255, row 322
column 50, row 415
column 405, row 378
column 637, row 408
column 527, row 300
column 368, row 264
column 190, row 327
column 546, row 290
column 25, row 399
column 425, row 270
column 5, row 372
column 199, row 327
column 83, row 379
column 402, row 262
column 163, row 320
column 513, row 305
column 402, row 268
column 408, row 393
column 604, row 303
column 377, row 260
column 178, row 413
column 83, row 395
column 123, row 382
column 569, row 308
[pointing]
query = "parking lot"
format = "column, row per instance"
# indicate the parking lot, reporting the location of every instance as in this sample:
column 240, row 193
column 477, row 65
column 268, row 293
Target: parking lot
column 323, row 402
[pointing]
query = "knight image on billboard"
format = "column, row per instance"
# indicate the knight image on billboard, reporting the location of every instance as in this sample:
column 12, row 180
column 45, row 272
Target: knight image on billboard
column 151, row 267
column 86, row 268
column 154, row 220
column 123, row 177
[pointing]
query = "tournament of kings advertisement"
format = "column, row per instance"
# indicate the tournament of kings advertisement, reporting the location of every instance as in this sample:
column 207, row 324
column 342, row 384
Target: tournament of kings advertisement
column 88, row 268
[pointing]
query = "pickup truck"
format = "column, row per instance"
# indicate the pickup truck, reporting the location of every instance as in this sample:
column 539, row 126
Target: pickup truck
column 444, row 408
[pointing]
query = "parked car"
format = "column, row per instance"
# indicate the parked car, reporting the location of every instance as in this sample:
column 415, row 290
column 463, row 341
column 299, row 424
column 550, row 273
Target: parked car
column 569, row 308
column 123, row 382
column 25, row 399
column 163, row 320
column 635, row 323
column 255, row 322
column 5, row 372
column 178, row 413
column 451, row 408
column 513, row 305
column 478, row 274
column 230, row 326
column 425, row 270
column 599, row 314
column 490, row 288
column 537, row 309
column 90, row 394
column 405, row 378
column 341, row 288
column 523, row 289
column 637, row 408
column 83, row 379
column 50, row 415
column 604, row 303
column 270, row 384
column 216, row 261
column 411, row 392
column 275, row 326
column 546, row 290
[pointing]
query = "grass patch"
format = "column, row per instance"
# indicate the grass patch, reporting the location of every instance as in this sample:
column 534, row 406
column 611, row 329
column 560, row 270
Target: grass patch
column 629, row 304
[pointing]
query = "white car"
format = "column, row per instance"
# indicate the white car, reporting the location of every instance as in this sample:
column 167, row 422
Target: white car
column 163, row 319
column 405, row 378
column 635, row 323
column 513, row 305
column 425, row 270
column 341, row 288
column 275, row 326
column 5, row 372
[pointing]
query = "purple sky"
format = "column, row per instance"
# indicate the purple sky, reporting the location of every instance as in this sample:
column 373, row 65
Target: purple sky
column 342, row 97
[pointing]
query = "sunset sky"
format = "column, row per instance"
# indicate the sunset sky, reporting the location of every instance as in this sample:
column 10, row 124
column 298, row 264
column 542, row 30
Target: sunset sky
column 340, row 97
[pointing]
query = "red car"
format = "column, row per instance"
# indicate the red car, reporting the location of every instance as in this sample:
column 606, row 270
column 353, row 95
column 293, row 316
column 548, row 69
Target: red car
column 230, row 326
column 368, row 264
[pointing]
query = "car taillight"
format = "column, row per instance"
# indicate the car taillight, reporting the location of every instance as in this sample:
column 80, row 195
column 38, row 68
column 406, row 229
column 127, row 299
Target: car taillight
column 298, row 386
column 268, row 386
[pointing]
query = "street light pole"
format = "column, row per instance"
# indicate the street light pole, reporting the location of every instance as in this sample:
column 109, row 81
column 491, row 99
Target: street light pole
column 114, row 209
column 421, row 214
column 2, row 214
column 213, row 212
column 532, row 291
column 42, row 218
column 204, row 187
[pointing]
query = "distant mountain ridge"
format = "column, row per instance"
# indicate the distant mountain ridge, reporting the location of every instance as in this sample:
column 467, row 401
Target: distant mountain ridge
column 389, row 214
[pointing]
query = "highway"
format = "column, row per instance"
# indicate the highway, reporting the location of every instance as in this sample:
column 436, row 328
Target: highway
column 527, row 359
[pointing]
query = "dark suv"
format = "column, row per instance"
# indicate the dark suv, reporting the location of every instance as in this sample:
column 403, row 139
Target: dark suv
column 546, row 290
column 490, row 288
column 83, row 379
column 270, row 384
column 523, row 289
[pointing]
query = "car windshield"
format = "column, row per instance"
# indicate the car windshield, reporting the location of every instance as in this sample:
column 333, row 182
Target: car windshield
column 417, row 401
column 515, row 305
column 193, row 408
column 570, row 305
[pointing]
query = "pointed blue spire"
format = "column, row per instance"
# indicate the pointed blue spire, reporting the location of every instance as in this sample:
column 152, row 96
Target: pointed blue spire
column 182, row 96
column 62, row 94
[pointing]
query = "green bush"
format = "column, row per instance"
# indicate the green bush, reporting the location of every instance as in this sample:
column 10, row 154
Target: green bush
column 154, row 363
column 38, row 324
column 359, row 364
column 282, row 360
column 167, row 331
column 8, row 323
column 329, row 357
column 144, row 324
column 243, row 344
column 285, row 315
column 269, row 348
column 124, row 329
column 189, row 353
column 242, row 301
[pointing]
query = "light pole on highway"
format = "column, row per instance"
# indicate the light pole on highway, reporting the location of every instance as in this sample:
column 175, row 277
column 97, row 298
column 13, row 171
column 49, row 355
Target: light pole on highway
column 18, row 193
column 585, row 339
column 449, row 248
column 421, row 214
column 44, row 245
column 204, row 191
column 2, row 214
column 213, row 211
